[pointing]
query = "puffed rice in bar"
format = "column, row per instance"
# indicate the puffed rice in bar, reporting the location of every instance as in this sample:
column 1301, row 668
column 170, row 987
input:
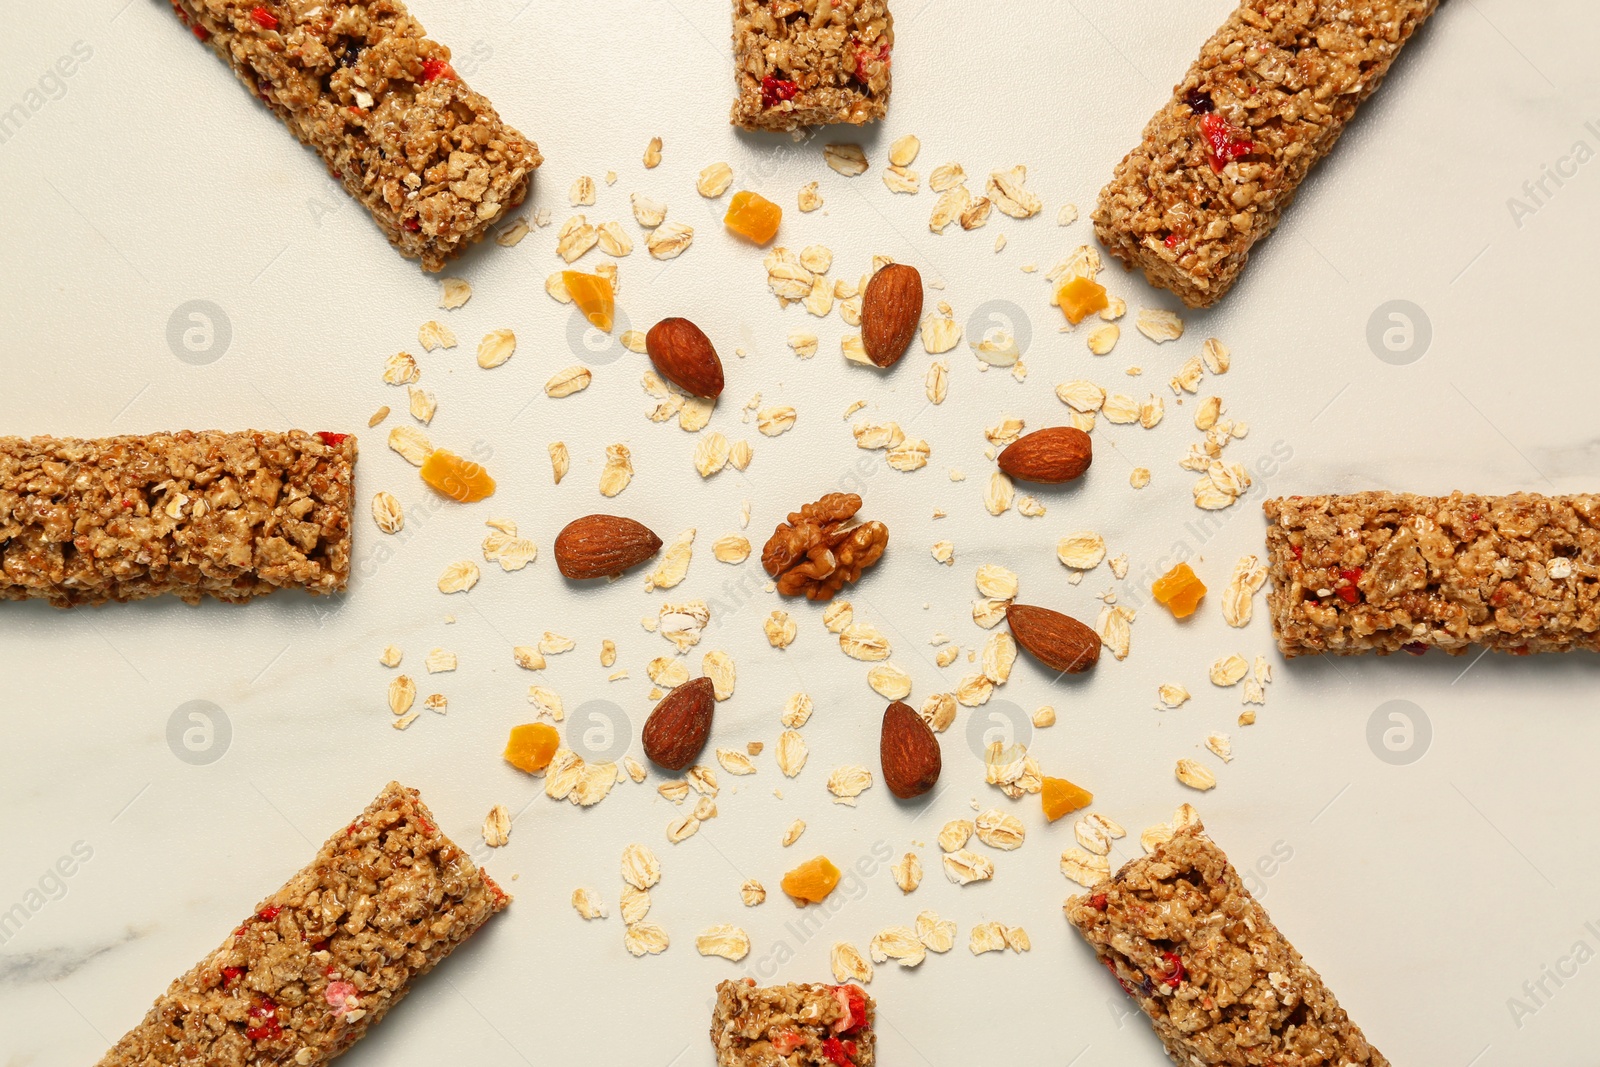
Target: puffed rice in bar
column 193, row 514
column 1392, row 572
column 360, row 82
column 327, row 955
column 1270, row 94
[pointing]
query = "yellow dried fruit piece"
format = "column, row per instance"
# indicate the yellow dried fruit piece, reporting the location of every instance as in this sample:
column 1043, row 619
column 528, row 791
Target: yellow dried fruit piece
column 457, row 478
column 753, row 216
column 1081, row 297
column 1179, row 591
column 812, row 881
column 531, row 746
column 1060, row 797
column 593, row 295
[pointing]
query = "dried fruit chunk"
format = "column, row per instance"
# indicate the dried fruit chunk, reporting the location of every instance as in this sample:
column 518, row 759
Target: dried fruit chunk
column 1179, row 591
column 816, row 554
column 531, row 746
column 753, row 216
column 603, row 546
column 909, row 752
column 457, row 478
column 684, row 356
column 891, row 310
column 593, row 295
column 1060, row 797
column 811, row 882
column 677, row 729
column 1081, row 297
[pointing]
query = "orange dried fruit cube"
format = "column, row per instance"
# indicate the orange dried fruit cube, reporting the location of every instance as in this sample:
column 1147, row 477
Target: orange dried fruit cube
column 532, row 746
column 753, row 216
column 1060, row 797
column 811, row 882
column 455, row 477
column 1179, row 591
column 1081, row 297
column 593, row 295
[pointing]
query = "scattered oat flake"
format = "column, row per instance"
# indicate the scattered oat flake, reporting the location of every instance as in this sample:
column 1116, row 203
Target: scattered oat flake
column 1172, row 695
column 735, row 762
column 898, row 943
column 618, row 471
column 496, row 347
column 889, row 681
column 719, row 667
column 752, row 893
column 645, row 938
column 987, row 937
column 652, row 154
column 1085, row 868
column 439, row 661
column 1081, row 551
column 411, row 443
column 792, row 834
column 453, row 292
column 669, row 240
column 848, row 782
column 846, row 159
column 809, row 198
column 1195, row 775
column 458, row 577
column 953, row 836
column 1229, row 670
column 1139, row 478
column 907, row 872
column 1159, row 324
column 965, row 867
column 729, row 942
column 402, row 694
column 640, row 868
column 1238, row 598
column 1221, row 746
column 1113, row 627
column 847, row 963
column 797, row 711
column 1000, row 830
column 792, row 753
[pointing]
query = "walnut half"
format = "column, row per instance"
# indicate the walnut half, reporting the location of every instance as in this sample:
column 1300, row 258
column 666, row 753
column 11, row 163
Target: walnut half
column 815, row 553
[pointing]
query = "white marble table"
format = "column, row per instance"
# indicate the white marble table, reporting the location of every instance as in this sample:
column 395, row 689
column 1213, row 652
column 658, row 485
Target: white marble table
column 1437, row 887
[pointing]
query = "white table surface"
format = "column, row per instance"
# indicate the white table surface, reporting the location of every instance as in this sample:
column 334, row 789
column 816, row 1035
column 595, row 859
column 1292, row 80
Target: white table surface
column 1427, row 888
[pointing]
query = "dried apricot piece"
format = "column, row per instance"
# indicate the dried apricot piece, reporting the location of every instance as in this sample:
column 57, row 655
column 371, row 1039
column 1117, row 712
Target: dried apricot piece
column 1081, row 297
column 1060, row 797
column 532, row 746
column 593, row 295
column 753, row 216
column 1179, row 590
column 455, row 477
column 811, row 882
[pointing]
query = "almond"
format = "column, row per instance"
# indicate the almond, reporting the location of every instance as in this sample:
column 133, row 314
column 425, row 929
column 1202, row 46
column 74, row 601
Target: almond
column 909, row 752
column 891, row 309
column 1053, row 455
column 683, row 354
column 603, row 546
column 677, row 729
column 1058, row 641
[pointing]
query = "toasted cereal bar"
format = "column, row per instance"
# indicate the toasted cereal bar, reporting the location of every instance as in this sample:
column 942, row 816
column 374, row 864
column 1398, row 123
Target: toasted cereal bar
column 794, row 1025
column 195, row 514
column 1389, row 572
column 358, row 81
column 810, row 62
column 326, row 956
column 1268, row 97
column 1184, row 937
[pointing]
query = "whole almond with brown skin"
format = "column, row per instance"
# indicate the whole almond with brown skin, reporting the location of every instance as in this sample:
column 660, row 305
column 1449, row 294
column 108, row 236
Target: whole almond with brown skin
column 677, row 729
column 891, row 309
column 683, row 354
column 909, row 752
column 1058, row 641
column 603, row 546
column 1053, row 455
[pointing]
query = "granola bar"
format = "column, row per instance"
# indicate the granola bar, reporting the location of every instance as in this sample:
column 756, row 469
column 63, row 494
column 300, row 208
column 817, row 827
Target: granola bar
column 1223, row 988
column 329, row 954
column 1268, row 97
column 194, row 514
column 794, row 1025
column 1389, row 572
column 810, row 62
column 359, row 81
